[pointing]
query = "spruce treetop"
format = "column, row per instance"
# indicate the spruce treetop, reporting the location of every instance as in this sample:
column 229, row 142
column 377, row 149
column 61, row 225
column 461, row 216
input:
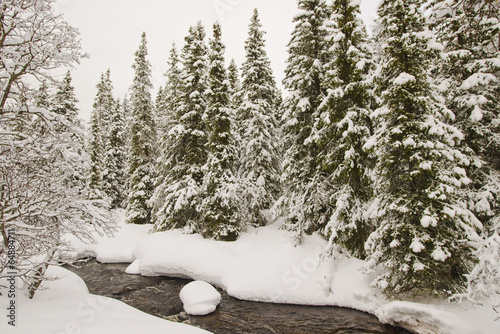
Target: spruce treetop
column 142, row 82
column 173, row 73
column 308, row 54
column 64, row 101
column 194, row 60
column 218, row 91
column 258, row 78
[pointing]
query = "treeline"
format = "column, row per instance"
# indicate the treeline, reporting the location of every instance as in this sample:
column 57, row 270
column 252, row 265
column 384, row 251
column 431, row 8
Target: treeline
column 204, row 157
column 389, row 146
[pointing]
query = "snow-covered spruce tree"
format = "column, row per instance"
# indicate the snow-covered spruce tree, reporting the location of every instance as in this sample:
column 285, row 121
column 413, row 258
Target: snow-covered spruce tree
column 343, row 128
column 304, row 76
column 168, row 98
column 421, row 240
column 42, row 97
column 64, row 100
column 470, row 77
column 141, row 160
column 220, row 203
column 97, row 142
column 42, row 193
column 235, row 98
column 159, row 108
column 469, row 74
column 233, row 76
column 258, row 128
column 127, row 116
column 64, row 103
column 167, row 104
column 94, row 149
column 115, row 158
column 178, row 196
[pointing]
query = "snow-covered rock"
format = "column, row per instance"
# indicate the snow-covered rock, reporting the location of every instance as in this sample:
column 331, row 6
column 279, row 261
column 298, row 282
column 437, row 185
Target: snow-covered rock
column 199, row 298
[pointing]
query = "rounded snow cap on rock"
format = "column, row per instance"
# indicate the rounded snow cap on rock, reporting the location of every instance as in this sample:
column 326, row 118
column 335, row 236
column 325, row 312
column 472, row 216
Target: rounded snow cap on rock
column 199, row 298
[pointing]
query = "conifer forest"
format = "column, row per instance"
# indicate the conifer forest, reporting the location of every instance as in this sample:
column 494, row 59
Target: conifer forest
column 383, row 141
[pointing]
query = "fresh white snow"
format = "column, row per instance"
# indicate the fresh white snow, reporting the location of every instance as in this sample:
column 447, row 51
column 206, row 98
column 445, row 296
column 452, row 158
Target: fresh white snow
column 65, row 306
column 404, row 78
column 199, row 298
column 116, row 249
column 265, row 265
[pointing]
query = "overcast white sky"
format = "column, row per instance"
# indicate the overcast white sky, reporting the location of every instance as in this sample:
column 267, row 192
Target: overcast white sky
column 111, row 29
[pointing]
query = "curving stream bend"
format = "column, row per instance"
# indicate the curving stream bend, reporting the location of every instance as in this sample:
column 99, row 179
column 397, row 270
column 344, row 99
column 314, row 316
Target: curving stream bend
column 159, row 296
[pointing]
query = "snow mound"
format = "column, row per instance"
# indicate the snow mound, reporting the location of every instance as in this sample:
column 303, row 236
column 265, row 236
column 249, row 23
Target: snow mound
column 199, row 298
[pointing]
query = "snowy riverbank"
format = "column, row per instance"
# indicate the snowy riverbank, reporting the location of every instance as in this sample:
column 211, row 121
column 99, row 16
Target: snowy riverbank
column 65, row 306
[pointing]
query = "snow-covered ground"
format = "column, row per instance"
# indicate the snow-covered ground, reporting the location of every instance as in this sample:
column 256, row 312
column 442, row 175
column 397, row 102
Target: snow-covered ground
column 65, row 306
column 264, row 265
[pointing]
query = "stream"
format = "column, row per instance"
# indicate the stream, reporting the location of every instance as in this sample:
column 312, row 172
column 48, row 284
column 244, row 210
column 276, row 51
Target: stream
column 159, row 296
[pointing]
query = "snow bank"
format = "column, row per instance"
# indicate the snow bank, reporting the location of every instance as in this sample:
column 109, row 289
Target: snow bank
column 116, row 249
column 65, row 306
column 185, row 256
column 199, row 298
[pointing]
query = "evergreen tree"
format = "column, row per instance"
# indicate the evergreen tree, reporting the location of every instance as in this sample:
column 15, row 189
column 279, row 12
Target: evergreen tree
column 160, row 102
column 69, row 129
column 259, row 160
column 141, row 171
column 95, row 148
column 42, row 98
column 304, row 76
column 64, row 101
column 235, row 84
column 469, row 75
column 236, row 96
column 115, row 158
column 177, row 198
column 168, row 96
column 343, row 128
column 127, row 116
column 167, row 105
column 220, row 202
column 423, row 228
column 97, row 142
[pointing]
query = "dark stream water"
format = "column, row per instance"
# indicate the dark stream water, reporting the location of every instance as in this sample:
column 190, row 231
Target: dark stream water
column 159, row 296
